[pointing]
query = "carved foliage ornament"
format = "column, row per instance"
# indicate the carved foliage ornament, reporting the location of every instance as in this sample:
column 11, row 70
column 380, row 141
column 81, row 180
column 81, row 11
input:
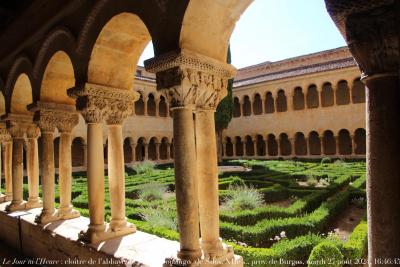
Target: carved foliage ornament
column 98, row 103
column 4, row 135
column 191, row 79
column 373, row 39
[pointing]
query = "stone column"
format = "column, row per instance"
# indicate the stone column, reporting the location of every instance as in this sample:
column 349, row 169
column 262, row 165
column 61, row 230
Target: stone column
column 65, row 124
column 157, row 151
column 7, row 152
column 192, row 80
column 120, row 108
column 337, row 147
column 255, row 146
column 97, row 103
column 146, row 151
column 17, row 128
column 224, row 149
column 32, row 160
column 353, row 145
column 47, row 124
column 168, row 151
column 372, row 32
column 5, row 139
column 157, row 101
column 145, row 98
column 133, row 148
column 234, row 148
column 85, row 155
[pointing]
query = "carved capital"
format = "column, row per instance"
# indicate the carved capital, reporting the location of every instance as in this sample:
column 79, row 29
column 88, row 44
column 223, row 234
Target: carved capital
column 17, row 124
column 98, row 103
column 191, row 79
column 49, row 116
column 4, row 135
column 32, row 131
column 371, row 31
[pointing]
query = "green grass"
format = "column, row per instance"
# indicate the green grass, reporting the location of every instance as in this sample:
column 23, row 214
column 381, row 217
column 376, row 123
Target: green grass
column 252, row 224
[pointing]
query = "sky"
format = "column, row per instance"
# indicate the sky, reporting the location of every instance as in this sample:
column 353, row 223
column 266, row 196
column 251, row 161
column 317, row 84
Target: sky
column 272, row 30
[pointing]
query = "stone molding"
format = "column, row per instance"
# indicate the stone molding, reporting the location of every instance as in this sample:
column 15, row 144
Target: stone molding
column 98, row 103
column 4, row 134
column 49, row 116
column 191, row 79
column 17, row 124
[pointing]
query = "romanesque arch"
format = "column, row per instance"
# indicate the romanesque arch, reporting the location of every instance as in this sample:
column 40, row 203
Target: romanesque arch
column 360, row 142
column 78, row 152
column 236, row 107
column 327, row 95
column 116, row 51
column 140, row 149
column 314, row 143
column 342, row 93
column 358, row 91
column 162, row 107
column 128, row 153
column 298, row 98
column 246, row 106
column 285, row 145
column 249, row 146
column 139, row 105
column 257, row 105
column 269, row 103
column 281, row 102
column 151, row 105
column 153, row 153
column 329, row 143
column 239, row 146
column 164, row 146
column 229, row 147
column 261, row 149
column 21, row 95
column 300, row 144
column 345, row 147
column 272, row 145
column 312, row 96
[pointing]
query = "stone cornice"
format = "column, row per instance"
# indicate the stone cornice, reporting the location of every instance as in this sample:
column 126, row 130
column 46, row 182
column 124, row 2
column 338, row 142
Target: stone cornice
column 98, row 103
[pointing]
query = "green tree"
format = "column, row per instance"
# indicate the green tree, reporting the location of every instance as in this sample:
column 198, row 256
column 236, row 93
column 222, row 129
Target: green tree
column 224, row 111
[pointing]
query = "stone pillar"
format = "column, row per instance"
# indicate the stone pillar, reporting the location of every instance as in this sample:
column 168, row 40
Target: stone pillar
column 353, row 145
column 65, row 125
column 234, row 148
column 7, row 152
column 5, row 139
column 337, row 146
column 146, row 151
column 244, row 145
column 32, row 161
column 157, row 151
column 17, row 125
column 192, row 80
column 133, row 148
column 168, row 151
column 145, row 98
column 372, row 32
column 255, row 146
column 157, row 101
column 116, row 167
column 224, row 149
column 98, row 103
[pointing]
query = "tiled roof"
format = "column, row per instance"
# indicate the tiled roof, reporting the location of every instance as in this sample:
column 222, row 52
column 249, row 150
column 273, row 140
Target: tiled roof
column 326, row 66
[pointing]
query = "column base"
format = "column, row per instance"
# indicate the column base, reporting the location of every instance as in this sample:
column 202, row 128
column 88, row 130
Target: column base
column 34, row 202
column 16, row 206
column 47, row 217
column 2, row 198
column 99, row 233
column 67, row 213
column 8, row 196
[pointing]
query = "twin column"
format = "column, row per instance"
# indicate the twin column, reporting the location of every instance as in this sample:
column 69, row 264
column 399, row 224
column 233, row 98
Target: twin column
column 194, row 84
column 99, row 104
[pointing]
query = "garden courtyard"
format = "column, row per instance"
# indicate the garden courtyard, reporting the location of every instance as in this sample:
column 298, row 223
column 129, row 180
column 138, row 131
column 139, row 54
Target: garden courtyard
column 276, row 212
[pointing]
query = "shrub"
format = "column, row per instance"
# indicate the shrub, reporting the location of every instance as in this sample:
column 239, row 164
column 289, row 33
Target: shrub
column 145, row 167
column 326, row 160
column 159, row 218
column 355, row 247
column 152, row 191
column 325, row 254
column 243, row 197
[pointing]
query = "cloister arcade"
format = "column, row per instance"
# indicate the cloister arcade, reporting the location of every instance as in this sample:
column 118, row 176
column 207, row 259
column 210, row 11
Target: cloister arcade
column 76, row 61
column 342, row 144
column 324, row 95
